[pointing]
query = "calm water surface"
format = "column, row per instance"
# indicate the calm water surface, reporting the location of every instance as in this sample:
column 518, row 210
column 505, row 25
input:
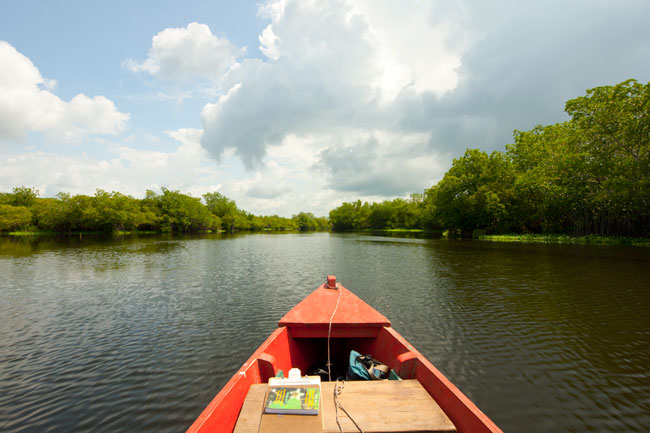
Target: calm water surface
column 139, row 333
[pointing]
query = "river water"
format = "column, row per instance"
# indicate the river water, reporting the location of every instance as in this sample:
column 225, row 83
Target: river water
column 137, row 334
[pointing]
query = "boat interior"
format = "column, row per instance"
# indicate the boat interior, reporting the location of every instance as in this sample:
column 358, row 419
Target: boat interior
column 309, row 354
column 404, row 405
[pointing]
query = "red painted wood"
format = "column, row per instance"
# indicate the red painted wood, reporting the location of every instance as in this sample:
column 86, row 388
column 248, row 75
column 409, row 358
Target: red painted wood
column 299, row 340
column 316, row 310
column 340, row 332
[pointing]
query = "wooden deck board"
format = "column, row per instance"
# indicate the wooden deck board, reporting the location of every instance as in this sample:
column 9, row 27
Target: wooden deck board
column 251, row 411
column 377, row 406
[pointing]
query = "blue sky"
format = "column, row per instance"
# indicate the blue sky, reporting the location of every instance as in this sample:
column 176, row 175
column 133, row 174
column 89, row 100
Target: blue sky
column 291, row 106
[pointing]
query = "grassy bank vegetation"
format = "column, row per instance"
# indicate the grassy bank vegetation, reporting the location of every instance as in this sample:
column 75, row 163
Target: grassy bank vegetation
column 566, row 239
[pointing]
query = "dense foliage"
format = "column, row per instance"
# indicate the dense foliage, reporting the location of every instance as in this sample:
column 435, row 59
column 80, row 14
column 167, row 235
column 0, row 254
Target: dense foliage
column 389, row 214
column 589, row 175
column 170, row 211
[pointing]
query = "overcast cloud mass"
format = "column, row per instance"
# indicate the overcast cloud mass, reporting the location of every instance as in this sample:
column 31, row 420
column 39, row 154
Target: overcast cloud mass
column 304, row 104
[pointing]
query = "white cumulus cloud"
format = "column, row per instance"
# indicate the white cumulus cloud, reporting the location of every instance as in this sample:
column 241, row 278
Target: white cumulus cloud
column 387, row 93
column 268, row 184
column 28, row 104
column 128, row 169
column 322, row 78
column 333, row 72
column 187, row 53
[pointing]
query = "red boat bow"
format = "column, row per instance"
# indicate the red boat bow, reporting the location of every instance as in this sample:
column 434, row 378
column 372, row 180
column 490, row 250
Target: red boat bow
column 300, row 341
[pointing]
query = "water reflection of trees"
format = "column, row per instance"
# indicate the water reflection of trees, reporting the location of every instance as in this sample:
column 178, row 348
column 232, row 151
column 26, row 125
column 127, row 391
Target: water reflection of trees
column 21, row 246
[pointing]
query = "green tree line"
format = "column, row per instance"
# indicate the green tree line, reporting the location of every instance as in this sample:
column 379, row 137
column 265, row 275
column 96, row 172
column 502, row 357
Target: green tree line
column 588, row 175
column 389, row 214
column 171, row 211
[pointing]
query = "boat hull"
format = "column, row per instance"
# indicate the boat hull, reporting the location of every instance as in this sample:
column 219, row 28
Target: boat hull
column 303, row 344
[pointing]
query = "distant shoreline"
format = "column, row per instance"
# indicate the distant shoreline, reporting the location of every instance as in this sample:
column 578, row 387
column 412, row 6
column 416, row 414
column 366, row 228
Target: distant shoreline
column 518, row 238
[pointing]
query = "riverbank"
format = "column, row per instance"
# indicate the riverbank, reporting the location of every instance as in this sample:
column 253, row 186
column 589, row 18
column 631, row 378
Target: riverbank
column 150, row 232
column 117, row 232
column 566, row 239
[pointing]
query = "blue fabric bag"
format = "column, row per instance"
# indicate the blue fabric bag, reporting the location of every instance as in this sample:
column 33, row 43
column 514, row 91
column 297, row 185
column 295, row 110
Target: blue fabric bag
column 357, row 370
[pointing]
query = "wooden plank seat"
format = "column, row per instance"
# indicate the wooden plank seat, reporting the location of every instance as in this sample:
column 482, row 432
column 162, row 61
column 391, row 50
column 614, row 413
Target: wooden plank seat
column 377, row 406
